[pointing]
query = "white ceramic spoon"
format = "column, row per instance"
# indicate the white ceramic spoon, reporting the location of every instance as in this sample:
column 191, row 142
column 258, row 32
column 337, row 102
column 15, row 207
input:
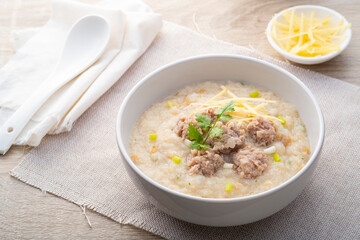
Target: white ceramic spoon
column 85, row 43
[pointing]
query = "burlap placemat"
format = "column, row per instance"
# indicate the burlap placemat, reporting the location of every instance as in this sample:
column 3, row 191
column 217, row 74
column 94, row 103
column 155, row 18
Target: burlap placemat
column 84, row 166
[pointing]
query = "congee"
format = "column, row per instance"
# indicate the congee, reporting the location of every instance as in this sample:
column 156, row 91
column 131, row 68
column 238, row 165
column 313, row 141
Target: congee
column 220, row 140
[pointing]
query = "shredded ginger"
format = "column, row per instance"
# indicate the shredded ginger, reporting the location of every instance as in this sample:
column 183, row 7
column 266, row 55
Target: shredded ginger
column 308, row 36
column 246, row 109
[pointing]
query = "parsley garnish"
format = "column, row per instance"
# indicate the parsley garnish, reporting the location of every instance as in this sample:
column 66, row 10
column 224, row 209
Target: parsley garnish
column 194, row 134
column 203, row 120
column 216, row 132
column 198, row 139
column 225, row 118
column 196, row 145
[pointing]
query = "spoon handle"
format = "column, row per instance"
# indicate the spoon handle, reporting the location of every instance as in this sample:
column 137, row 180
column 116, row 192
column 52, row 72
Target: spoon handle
column 18, row 120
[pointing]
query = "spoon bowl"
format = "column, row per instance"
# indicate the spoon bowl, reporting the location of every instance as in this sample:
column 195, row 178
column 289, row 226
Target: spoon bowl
column 85, row 43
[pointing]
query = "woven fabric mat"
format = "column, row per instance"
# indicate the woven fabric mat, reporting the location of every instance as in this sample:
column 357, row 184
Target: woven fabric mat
column 84, row 165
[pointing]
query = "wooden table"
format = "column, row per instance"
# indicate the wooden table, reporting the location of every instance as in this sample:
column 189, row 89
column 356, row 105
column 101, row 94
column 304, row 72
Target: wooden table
column 26, row 212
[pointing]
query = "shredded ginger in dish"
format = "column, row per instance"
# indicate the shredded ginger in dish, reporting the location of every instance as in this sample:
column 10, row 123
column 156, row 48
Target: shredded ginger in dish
column 307, row 36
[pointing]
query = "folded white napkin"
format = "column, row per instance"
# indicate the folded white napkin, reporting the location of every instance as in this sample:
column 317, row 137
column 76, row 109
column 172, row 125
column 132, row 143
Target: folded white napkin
column 134, row 26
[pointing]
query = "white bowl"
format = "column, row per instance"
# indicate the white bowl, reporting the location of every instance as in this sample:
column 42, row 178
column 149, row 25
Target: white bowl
column 211, row 211
column 321, row 12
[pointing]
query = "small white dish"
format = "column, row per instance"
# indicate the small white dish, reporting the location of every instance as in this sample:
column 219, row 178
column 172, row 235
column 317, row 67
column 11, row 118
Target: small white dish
column 321, row 12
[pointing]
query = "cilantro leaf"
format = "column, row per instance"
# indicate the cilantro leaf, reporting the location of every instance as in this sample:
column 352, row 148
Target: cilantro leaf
column 227, row 108
column 218, row 111
column 208, row 129
column 194, row 134
column 225, row 117
column 203, row 120
column 216, row 132
column 196, row 145
column 230, row 107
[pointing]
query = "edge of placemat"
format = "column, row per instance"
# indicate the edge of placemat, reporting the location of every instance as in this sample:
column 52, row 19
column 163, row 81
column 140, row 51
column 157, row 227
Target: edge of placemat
column 19, row 172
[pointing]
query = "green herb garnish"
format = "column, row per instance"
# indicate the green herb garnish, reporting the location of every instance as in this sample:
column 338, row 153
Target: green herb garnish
column 194, row 134
column 203, row 120
column 282, row 120
column 176, row 159
column 198, row 139
column 216, row 132
column 170, row 104
column 276, row 157
column 153, row 136
column 196, row 145
column 254, row 94
column 226, row 117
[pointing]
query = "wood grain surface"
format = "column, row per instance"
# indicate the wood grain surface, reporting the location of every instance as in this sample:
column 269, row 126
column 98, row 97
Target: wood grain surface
column 27, row 213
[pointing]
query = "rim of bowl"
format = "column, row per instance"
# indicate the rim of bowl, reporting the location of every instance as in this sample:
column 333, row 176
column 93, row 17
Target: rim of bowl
column 308, row 59
column 220, row 200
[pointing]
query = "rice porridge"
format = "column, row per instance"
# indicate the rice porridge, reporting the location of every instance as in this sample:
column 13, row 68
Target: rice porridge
column 220, row 140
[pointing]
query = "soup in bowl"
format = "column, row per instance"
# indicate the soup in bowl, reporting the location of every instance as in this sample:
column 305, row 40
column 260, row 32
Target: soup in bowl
column 220, row 140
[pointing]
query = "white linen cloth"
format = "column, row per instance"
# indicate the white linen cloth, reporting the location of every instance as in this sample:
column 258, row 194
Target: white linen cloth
column 133, row 27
